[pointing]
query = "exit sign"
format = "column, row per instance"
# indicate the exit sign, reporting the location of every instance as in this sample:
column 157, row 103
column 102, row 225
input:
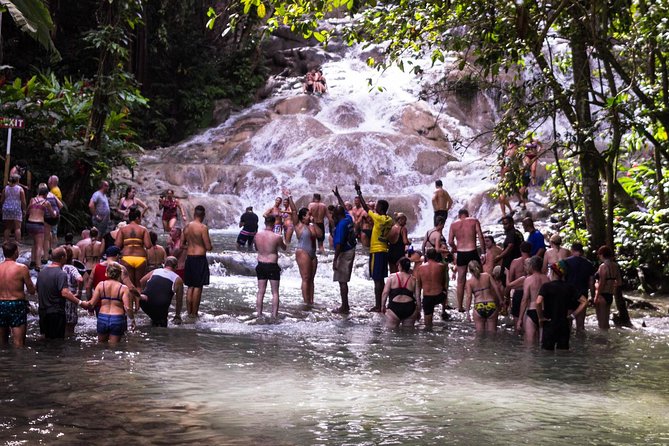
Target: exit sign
column 11, row 123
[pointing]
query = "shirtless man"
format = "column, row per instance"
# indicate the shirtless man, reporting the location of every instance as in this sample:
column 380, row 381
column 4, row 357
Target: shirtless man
column 528, row 321
column 553, row 255
column 441, row 201
column 357, row 214
column 13, row 302
column 156, row 254
column 268, row 244
column 81, row 244
column 515, row 277
column 93, row 251
column 492, row 252
column 432, row 281
column 195, row 238
column 318, row 211
column 134, row 240
column 462, row 238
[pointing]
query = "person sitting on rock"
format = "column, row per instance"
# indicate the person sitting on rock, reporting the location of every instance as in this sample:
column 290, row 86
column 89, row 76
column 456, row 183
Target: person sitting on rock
column 319, row 83
column 308, row 85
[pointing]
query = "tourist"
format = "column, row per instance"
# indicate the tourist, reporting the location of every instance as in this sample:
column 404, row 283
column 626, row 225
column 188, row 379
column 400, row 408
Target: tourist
column 129, row 200
column 13, row 203
column 275, row 211
column 100, row 211
column 51, row 222
column 462, row 238
column 608, row 283
column 158, row 287
column 556, row 301
column 528, row 320
column 156, row 254
column 515, row 278
column 434, row 238
column 52, row 289
column 357, row 214
column 176, row 249
column 308, row 84
column 534, row 238
column 378, row 245
column 318, row 212
column 581, row 275
column 99, row 272
column 554, row 254
column 170, row 206
column 319, row 84
column 93, row 251
column 38, row 209
column 398, row 240
column 511, row 246
column 249, row 224
column 403, row 305
column 441, row 202
column 487, row 301
column 115, row 305
column 532, row 150
column 69, row 242
column 75, row 283
column 307, row 233
column 133, row 240
column 195, row 238
column 85, row 241
column 431, row 284
column 491, row 259
column 344, row 242
column 287, row 219
column 268, row 244
column 13, row 302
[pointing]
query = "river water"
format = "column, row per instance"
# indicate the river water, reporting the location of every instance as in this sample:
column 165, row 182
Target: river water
column 315, row 378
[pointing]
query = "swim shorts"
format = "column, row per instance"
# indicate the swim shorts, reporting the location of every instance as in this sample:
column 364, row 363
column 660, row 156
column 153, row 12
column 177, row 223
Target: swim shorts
column 13, row 313
column 71, row 313
column 378, row 266
column 245, row 238
column 344, row 266
column 112, row 324
column 52, row 325
column 34, row 228
column 464, row 257
column 441, row 213
column 268, row 271
column 196, row 272
column 429, row 302
column 322, row 226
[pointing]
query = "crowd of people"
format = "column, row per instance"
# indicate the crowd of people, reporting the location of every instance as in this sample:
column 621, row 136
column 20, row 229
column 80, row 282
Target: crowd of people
column 121, row 269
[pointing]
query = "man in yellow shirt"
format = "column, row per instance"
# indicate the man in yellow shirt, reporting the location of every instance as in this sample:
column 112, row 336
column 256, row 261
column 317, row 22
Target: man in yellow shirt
column 378, row 245
column 53, row 187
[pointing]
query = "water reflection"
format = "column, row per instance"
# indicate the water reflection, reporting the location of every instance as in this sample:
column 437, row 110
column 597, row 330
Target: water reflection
column 316, row 378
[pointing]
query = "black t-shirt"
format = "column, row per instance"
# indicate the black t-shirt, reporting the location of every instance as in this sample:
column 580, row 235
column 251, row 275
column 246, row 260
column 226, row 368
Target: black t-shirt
column 250, row 222
column 559, row 298
column 579, row 272
column 50, row 282
column 512, row 236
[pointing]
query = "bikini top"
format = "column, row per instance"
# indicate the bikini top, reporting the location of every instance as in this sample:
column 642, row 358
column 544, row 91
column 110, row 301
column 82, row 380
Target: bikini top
column 118, row 295
column 169, row 204
column 124, row 207
column 37, row 204
column 402, row 289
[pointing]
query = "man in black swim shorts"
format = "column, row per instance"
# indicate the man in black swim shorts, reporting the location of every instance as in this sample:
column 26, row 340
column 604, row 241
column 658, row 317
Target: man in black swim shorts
column 268, row 244
column 195, row 237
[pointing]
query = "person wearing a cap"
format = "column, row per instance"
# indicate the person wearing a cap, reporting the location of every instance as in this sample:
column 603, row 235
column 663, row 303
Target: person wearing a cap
column 99, row 272
column 249, row 224
column 557, row 300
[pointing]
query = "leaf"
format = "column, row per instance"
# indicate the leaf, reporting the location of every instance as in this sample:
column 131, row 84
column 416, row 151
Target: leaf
column 319, row 36
column 261, row 10
column 33, row 18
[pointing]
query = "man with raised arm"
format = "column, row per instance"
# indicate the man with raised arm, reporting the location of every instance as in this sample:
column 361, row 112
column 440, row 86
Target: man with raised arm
column 462, row 238
column 268, row 244
column 195, row 237
column 378, row 246
column 441, row 201
column 344, row 245
column 318, row 211
column 13, row 302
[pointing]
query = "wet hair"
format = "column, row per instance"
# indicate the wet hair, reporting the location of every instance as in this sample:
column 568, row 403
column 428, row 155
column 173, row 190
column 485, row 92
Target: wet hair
column 301, row 213
column 317, row 197
column 68, row 255
column 199, row 211
column 556, row 240
column 536, row 263
column 14, row 178
column 439, row 221
column 171, row 261
column 438, row 183
column 169, row 191
column 42, row 189
column 270, row 220
column 134, row 213
column 9, row 249
column 154, row 237
column 577, row 246
column 463, row 212
column 526, row 247
column 114, row 271
column 382, row 206
column 605, row 252
column 94, row 233
column 491, row 238
column 399, row 215
column 128, row 190
column 475, row 268
column 59, row 254
column 279, row 199
column 432, row 254
column 69, row 238
column 404, row 264
column 507, row 218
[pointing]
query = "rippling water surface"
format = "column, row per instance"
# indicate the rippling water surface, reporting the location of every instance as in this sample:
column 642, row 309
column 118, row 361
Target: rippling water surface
column 315, row 378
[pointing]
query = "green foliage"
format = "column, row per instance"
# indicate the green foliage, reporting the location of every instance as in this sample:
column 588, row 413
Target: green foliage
column 33, row 18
